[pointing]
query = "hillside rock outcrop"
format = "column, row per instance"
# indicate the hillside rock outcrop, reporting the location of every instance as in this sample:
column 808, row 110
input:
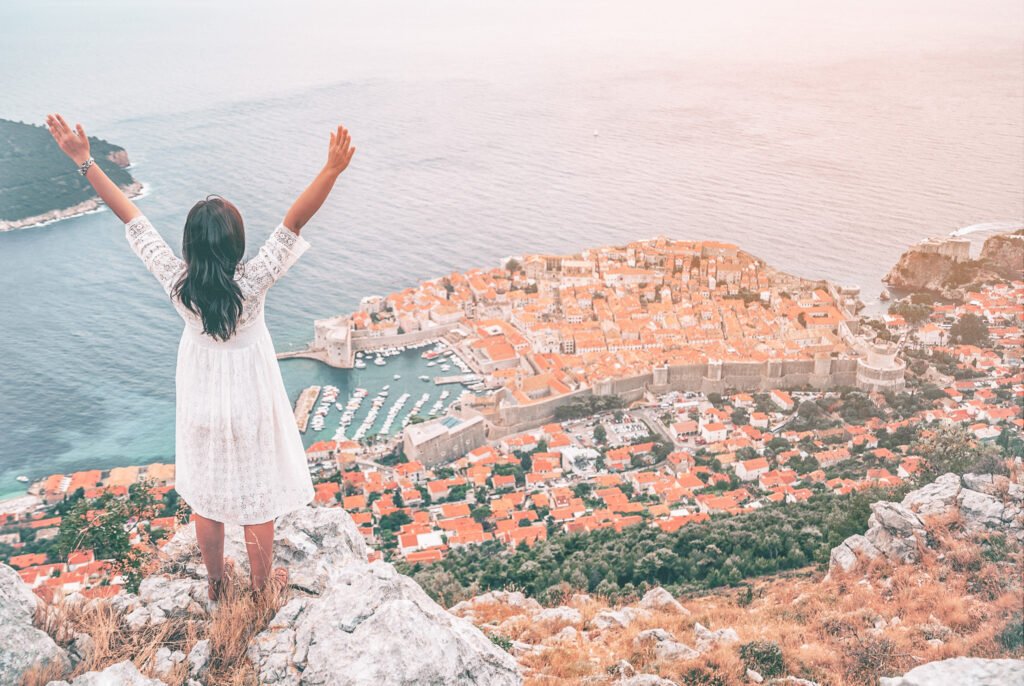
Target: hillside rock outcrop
column 1004, row 254
column 938, row 267
column 348, row 622
column 21, row 644
column 960, row 671
column 896, row 531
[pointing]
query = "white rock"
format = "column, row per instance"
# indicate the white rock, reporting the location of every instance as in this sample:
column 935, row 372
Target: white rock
column 561, row 614
column 198, row 657
column 653, row 635
column 371, row 625
column 961, row 671
column 848, row 555
column 21, row 644
column 620, row 619
column 659, row 599
column 165, row 660
column 120, row 674
column 937, row 498
column 754, row 676
column 980, row 510
column 707, row 638
column 673, row 651
column 514, row 599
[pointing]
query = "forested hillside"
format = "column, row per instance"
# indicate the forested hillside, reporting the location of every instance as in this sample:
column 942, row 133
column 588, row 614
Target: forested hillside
column 36, row 178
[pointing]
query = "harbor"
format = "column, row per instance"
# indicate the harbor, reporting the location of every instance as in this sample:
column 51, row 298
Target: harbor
column 383, row 392
column 304, row 406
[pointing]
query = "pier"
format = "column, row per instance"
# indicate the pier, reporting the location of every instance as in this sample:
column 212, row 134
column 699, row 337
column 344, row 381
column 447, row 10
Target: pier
column 457, row 378
column 304, row 405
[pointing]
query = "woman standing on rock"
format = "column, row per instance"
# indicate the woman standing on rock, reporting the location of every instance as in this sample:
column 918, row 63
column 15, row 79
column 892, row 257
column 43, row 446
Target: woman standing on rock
column 239, row 458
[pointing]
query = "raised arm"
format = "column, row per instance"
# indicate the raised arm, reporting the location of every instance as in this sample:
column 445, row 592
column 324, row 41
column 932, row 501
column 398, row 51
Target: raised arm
column 75, row 145
column 339, row 154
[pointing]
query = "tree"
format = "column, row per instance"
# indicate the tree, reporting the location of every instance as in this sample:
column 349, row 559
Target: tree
column 110, row 528
column 394, row 521
column 970, row 329
column 600, row 433
column 513, row 266
column 913, row 313
column 954, row 449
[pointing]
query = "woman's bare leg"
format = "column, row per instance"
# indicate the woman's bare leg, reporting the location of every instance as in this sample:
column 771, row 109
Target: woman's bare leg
column 210, row 534
column 259, row 543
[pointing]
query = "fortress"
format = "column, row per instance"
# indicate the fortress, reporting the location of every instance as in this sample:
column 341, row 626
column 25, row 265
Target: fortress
column 649, row 317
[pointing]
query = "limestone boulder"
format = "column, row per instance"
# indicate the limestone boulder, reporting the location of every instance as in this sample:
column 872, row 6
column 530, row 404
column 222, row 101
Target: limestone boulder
column 897, row 531
column 937, row 498
column 22, row 644
column 706, row 638
column 659, row 599
column 120, row 674
column 558, row 615
column 960, row 671
column 514, row 599
column 372, row 625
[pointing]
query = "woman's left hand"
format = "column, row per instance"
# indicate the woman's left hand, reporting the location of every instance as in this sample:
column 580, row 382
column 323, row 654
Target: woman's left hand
column 73, row 142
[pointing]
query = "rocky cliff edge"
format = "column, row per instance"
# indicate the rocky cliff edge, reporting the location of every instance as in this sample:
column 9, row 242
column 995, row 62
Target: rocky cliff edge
column 344, row 621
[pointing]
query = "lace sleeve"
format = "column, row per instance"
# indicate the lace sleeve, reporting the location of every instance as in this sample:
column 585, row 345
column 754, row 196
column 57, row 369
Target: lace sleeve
column 154, row 252
column 281, row 250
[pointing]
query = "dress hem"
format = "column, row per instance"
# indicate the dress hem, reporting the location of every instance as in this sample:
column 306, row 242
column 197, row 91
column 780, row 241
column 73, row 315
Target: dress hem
column 279, row 512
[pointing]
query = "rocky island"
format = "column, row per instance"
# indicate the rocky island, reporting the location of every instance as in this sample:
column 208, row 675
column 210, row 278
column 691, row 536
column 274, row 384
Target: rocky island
column 37, row 183
column 944, row 266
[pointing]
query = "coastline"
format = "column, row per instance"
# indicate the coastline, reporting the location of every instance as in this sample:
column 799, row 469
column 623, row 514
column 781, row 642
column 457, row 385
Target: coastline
column 19, row 503
column 133, row 191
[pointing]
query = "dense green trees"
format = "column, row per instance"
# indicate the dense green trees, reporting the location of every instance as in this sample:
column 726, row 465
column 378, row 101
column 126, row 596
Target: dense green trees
column 588, row 406
column 722, row 551
column 970, row 329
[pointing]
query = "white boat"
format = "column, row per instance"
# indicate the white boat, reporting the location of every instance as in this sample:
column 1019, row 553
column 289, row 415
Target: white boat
column 424, row 378
column 379, row 361
column 398, row 376
column 431, row 363
column 385, row 387
column 23, row 479
column 360, row 364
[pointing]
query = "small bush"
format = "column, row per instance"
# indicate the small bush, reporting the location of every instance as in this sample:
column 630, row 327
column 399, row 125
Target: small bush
column 764, row 657
column 702, row 676
column 1012, row 635
column 503, row 642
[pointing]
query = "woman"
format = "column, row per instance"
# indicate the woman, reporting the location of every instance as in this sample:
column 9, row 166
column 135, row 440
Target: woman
column 238, row 457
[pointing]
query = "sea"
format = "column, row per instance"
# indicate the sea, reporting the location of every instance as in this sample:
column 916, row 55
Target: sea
column 825, row 138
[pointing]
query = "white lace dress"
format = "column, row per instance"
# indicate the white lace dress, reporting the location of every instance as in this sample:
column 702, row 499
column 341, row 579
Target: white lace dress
column 238, row 455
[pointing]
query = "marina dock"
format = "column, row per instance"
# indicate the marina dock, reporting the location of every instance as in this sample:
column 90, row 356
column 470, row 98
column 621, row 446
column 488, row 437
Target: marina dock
column 457, row 378
column 304, row 405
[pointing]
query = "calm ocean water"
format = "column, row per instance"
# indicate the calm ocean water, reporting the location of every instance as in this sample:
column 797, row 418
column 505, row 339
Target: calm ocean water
column 824, row 143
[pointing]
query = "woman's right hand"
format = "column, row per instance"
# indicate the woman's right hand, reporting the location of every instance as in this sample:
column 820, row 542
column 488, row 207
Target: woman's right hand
column 73, row 142
column 340, row 151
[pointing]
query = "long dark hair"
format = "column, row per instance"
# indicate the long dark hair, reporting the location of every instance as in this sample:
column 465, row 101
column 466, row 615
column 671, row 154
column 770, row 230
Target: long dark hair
column 212, row 247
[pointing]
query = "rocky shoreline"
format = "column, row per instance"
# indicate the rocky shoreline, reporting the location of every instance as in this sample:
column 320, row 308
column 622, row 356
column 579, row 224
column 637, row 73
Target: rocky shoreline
column 132, row 190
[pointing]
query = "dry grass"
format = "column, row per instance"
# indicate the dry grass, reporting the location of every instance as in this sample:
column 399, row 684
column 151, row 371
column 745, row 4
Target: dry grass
column 230, row 626
column 844, row 631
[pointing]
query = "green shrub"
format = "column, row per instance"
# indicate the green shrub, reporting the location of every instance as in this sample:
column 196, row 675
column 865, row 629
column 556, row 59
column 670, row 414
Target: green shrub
column 1012, row 635
column 764, row 657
